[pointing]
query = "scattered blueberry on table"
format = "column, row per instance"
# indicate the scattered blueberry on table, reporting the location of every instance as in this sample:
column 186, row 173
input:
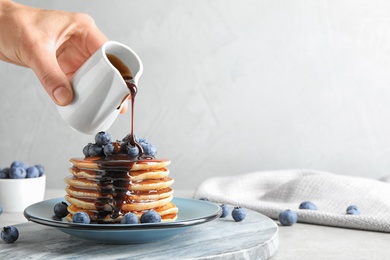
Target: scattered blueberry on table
column 238, row 214
column 150, row 216
column 81, row 218
column 9, row 234
column 225, row 210
column 61, row 209
column 353, row 210
column 308, row 205
column 130, row 218
column 288, row 217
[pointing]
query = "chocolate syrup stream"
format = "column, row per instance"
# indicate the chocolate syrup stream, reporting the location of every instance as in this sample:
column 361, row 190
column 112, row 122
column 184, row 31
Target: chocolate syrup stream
column 133, row 91
column 115, row 182
column 115, row 178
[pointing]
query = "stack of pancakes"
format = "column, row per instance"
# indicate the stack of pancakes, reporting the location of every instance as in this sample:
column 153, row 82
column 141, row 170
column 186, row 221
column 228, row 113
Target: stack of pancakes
column 107, row 189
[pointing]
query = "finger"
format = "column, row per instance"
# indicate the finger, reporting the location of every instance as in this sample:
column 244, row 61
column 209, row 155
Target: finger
column 53, row 79
column 124, row 108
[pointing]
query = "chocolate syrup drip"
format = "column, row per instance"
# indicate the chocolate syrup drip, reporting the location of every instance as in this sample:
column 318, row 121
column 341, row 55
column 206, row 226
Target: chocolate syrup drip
column 113, row 181
column 133, row 91
column 113, row 187
column 116, row 179
column 115, row 175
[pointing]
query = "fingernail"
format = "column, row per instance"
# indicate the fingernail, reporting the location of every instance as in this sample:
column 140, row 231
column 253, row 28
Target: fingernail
column 62, row 95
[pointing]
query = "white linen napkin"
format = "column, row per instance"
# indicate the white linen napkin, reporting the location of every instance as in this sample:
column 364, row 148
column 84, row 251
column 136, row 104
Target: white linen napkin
column 270, row 192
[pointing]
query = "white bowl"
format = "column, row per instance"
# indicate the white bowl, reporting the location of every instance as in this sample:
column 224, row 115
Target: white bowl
column 17, row 194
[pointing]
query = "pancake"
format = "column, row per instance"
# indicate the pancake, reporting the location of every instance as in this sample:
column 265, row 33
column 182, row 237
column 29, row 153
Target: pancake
column 109, row 187
column 140, row 185
column 90, row 204
column 168, row 213
column 93, row 163
column 135, row 175
column 134, row 195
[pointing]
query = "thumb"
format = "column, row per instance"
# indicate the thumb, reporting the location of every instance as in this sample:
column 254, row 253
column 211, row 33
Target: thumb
column 53, row 79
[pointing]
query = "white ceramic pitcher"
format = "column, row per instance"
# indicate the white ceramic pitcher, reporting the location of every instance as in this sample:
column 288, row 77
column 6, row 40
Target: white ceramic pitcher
column 100, row 90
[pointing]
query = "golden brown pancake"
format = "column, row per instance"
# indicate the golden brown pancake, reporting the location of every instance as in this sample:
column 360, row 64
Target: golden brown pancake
column 145, row 185
column 168, row 213
column 93, row 163
column 134, row 196
column 108, row 188
column 135, row 175
column 90, row 204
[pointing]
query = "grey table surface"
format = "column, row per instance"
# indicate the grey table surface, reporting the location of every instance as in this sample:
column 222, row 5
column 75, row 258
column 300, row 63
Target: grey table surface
column 300, row 241
column 254, row 238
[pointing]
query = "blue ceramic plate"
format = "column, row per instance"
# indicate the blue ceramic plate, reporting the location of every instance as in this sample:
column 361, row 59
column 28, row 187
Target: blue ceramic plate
column 191, row 212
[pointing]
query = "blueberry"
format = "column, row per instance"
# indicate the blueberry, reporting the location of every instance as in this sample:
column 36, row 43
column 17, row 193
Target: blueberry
column 102, row 138
column 129, row 218
column 238, row 214
column 1, row 211
column 19, row 164
column 41, row 169
column 353, row 210
column 132, row 150
column 81, row 217
column 86, row 150
column 127, row 138
column 308, row 205
column 225, row 210
column 4, row 173
column 95, row 150
column 108, row 149
column 17, row 173
column 32, row 172
column 61, row 209
column 150, row 216
column 9, row 234
column 149, row 149
column 288, row 217
column 143, row 140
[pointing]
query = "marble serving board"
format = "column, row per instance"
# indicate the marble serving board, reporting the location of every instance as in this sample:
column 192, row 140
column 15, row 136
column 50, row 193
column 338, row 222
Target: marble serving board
column 254, row 238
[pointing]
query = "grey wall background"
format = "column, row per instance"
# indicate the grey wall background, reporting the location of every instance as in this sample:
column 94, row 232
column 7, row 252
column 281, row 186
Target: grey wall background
column 229, row 87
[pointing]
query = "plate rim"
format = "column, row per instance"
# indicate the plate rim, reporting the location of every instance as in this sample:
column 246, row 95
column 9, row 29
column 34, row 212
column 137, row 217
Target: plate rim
column 124, row 227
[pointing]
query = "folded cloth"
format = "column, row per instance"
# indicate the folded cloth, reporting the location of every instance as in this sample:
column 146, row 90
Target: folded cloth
column 270, row 192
